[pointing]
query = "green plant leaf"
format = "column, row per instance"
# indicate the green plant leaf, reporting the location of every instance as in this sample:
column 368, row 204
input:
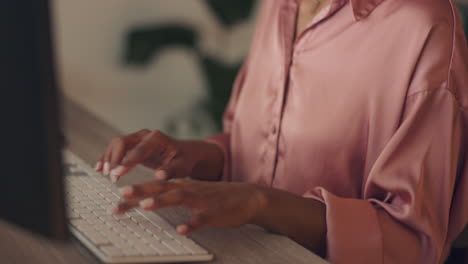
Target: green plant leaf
column 220, row 78
column 230, row 12
column 142, row 44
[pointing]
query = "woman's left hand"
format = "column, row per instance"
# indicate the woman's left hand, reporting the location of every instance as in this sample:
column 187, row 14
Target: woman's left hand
column 214, row 204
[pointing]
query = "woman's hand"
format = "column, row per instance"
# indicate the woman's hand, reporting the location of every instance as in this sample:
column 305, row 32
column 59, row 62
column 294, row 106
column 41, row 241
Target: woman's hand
column 170, row 158
column 214, row 204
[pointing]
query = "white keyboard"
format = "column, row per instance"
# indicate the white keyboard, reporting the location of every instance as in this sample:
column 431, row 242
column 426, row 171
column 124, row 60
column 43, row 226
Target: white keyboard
column 136, row 237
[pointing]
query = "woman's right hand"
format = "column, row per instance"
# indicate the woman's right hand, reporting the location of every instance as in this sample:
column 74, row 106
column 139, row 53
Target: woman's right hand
column 169, row 157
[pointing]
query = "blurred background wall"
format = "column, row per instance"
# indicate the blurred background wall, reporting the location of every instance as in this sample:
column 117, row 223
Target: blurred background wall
column 90, row 42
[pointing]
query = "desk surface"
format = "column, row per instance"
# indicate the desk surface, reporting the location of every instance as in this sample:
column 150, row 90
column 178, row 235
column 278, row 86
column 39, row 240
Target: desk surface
column 87, row 136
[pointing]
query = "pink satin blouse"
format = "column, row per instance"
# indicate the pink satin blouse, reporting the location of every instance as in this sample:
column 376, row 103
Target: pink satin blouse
column 367, row 112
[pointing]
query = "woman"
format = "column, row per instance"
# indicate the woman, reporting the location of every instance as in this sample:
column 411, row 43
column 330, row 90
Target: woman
column 346, row 132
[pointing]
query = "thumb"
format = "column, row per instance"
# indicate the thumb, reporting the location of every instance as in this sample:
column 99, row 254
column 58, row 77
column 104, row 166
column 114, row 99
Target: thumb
column 197, row 221
column 175, row 169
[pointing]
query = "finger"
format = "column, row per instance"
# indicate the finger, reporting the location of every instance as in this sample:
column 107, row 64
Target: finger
column 150, row 189
column 174, row 169
column 99, row 165
column 135, row 138
column 118, row 172
column 161, row 175
column 153, row 143
column 125, row 206
column 140, row 152
column 105, row 160
column 117, row 152
column 120, row 145
column 171, row 198
column 114, row 156
column 197, row 221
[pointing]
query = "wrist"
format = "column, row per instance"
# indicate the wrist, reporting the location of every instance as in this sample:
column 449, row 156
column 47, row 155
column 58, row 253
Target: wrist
column 261, row 200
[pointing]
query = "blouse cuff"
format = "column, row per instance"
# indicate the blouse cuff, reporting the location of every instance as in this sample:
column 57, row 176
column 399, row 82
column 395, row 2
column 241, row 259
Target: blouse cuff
column 353, row 230
column 223, row 142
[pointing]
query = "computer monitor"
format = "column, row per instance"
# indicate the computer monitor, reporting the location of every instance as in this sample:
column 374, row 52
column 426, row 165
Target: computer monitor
column 31, row 191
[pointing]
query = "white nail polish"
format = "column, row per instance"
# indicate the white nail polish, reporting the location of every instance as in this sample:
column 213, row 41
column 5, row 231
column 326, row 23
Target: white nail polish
column 106, row 168
column 126, row 190
column 182, row 229
column 161, row 175
column 98, row 166
column 147, row 203
column 114, row 178
column 118, row 171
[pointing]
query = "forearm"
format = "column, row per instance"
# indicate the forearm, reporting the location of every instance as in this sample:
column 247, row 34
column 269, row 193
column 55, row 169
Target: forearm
column 209, row 160
column 301, row 219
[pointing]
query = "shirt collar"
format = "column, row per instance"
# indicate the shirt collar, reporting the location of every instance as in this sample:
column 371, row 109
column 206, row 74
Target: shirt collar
column 363, row 8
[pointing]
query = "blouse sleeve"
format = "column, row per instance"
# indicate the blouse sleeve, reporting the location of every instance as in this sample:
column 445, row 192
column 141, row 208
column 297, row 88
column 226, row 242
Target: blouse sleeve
column 405, row 215
column 414, row 201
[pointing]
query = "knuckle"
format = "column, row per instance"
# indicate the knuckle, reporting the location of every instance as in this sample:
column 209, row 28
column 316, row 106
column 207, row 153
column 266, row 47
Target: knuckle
column 116, row 141
column 179, row 195
column 160, row 136
column 140, row 149
column 157, row 134
column 173, row 149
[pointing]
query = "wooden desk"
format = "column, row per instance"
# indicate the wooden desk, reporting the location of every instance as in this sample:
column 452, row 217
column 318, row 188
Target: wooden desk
column 87, row 136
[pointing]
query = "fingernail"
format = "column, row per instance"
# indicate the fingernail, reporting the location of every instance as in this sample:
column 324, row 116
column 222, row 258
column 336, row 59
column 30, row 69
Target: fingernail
column 114, row 178
column 117, row 172
column 98, row 166
column 182, row 229
column 106, row 168
column 161, row 175
column 147, row 203
column 126, row 190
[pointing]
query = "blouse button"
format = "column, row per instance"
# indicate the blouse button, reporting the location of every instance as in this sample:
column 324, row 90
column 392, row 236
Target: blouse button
column 274, row 129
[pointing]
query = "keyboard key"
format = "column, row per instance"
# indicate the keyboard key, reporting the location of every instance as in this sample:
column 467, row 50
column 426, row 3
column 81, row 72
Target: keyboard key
column 100, row 226
column 130, row 252
column 161, row 249
column 81, row 224
column 88, row 215
column 121, row 243
column 193, row 247
column 131, row 237
column 112, row 251
column 147, row 224
column 147, row 250
column 107, row 218
column 92, row 221
column 98, row 239
column 127, row 221
column 99, row 212
column 139, row 218
column 176, row 247
column 132, row 213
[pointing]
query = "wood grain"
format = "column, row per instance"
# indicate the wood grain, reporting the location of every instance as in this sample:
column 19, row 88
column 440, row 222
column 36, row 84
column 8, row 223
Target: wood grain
column 87, row 137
